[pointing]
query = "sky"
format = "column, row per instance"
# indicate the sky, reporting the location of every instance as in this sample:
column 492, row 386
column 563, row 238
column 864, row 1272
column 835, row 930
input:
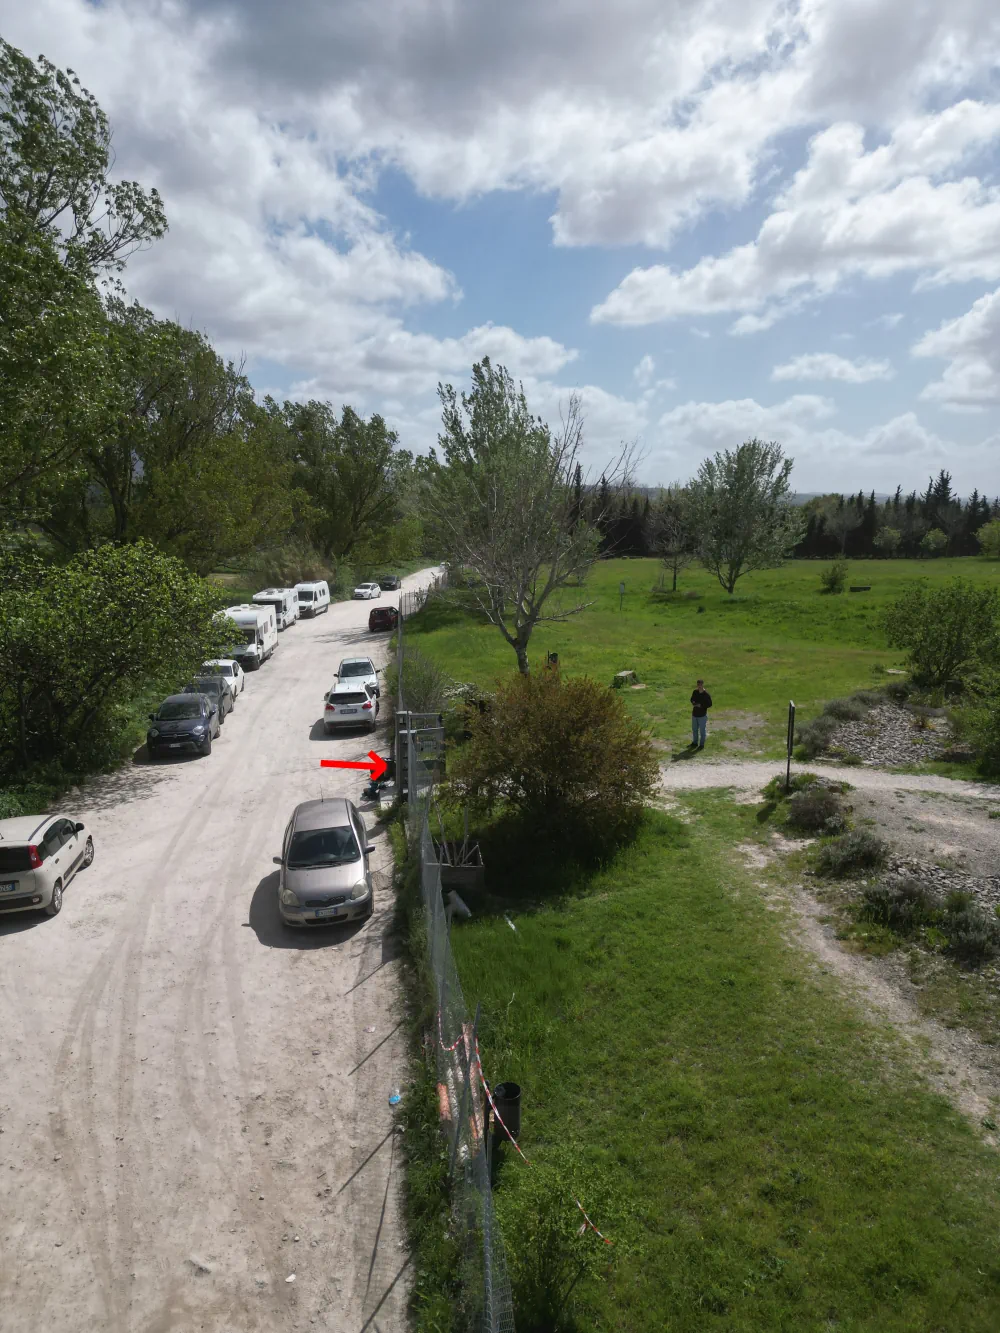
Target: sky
column 711, row 219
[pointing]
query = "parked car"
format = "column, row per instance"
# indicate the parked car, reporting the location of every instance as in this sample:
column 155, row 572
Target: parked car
column 39, row 855
column 229, row 669
column 325, row 875
column 359, row 670
column 383, row 617
column 313, row 597
column 367, row 590
column 218, row 689
column 350, row 704
column 183, row 722
column 389, row 582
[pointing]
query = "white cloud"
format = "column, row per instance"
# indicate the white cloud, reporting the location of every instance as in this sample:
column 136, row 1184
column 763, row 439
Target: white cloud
column 846, row 213
column 889, row 321
column 971, row 345
column 829, row 366
column 644, row 372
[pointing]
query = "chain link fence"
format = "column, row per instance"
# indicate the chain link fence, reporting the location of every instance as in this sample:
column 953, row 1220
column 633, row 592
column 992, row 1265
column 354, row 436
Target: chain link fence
column 487, row 1303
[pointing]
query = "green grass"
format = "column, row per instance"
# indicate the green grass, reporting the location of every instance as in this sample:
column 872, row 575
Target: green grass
column 779, row 638
column 762, row 1159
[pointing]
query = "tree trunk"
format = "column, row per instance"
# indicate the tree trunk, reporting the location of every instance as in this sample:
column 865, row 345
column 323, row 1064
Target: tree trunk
column 675, row 577
column 522, row 658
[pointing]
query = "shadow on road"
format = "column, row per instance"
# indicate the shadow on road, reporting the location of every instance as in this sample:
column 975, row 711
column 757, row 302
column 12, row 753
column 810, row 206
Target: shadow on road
column 18, row 921
column 266, row 923
column 317, row 731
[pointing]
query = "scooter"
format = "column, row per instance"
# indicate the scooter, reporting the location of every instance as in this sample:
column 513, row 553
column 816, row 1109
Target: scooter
column 373, row 788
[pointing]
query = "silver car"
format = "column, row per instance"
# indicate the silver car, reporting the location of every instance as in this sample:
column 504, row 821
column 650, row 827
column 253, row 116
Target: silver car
column 324, row 875
column 39, row 855
column 350, row 705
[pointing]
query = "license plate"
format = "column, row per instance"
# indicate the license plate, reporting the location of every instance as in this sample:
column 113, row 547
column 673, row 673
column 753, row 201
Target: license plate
column 175, row 745
column 8, row 888
column 328, row 911
column 345, row 711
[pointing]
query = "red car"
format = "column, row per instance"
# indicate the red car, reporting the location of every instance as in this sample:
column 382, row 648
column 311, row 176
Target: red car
column 383, row 617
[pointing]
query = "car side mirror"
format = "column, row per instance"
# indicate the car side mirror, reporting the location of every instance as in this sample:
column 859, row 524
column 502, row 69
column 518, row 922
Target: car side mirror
column 78, row 828
column 152, row 717
column 212, row 710
column 278, row 860
column 369, row 851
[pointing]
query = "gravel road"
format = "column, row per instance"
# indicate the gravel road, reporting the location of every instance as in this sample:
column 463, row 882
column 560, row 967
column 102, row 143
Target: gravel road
column 696, row 774
column 193, row 1100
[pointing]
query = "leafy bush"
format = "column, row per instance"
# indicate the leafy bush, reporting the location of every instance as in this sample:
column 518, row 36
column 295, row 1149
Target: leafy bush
column 980, row 721
column 833, row 579
column 816, row 810
column 988, row 537
column 903, row 905
column 79, row 642
column 775, row 789
column 899, row 691
column 284, row 566
column 815, row 736
column 564, row 755
column 853, row 853
column 973, row 935
column 944, row 629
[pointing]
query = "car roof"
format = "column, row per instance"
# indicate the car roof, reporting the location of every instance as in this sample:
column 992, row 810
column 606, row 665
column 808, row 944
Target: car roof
column 333, row 813
column 348, row 661
column 23, row 828
column 184, row 696
column 220, row 661
column 346, row 686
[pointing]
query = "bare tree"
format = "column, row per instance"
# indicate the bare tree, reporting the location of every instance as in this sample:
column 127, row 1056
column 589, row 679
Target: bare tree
column 673, row 535
column 506, row 507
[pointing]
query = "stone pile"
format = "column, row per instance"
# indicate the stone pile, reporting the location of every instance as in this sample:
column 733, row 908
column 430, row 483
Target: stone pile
column 984, row 888
column 888, row 737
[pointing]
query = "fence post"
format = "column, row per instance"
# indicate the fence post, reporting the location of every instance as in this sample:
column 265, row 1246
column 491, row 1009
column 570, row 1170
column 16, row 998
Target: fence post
column 790, row 741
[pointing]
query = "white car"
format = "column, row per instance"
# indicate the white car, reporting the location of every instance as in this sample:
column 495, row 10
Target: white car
column 350, row 705
column 365, row 591
column 39, row 855
column 230, row 669
column 359, row 671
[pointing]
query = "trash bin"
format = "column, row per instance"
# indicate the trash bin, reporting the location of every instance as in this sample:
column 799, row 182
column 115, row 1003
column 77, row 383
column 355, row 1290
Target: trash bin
column 507, row 1100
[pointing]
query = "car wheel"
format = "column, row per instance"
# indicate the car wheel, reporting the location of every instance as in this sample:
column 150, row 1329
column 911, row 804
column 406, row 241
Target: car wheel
column 55, row 903
column 88, row 853
column 374, row 724
column 207, row 746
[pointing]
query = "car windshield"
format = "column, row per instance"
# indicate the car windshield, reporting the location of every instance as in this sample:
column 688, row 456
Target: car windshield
column 175, row 709
column 356, row 669
column 305, row 596
column 322, row 847
column 204, row 685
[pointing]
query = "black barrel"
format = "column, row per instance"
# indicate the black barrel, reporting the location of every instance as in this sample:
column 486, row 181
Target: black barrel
column 507, row 1100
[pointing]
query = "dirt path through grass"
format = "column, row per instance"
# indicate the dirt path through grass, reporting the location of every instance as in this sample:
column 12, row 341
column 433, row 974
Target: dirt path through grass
column 702, row 774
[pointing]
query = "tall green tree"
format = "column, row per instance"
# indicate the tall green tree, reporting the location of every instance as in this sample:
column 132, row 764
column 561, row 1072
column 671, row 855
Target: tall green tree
column 742, row 511
column 55, row 168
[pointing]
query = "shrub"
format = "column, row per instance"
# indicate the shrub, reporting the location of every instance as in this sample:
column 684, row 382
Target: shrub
column 899, row 691
column 852, row 853
column 816, row 809
column 980, row 721
column 988, row 537
column 944, row 629
column 833, row 579
column 869, row 698
column 903, row 905
column 815, row 736
column 426, row 688
column 563, row 754
column 775, row 789
column 973, row 935
column 845, row 710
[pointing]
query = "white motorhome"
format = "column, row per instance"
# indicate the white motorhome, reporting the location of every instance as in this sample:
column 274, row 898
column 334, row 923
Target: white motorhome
column 284, row 601
column 314, row 597
column 259, row 627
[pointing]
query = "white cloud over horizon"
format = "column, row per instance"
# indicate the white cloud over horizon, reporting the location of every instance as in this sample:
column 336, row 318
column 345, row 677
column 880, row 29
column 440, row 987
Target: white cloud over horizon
column 829, row 366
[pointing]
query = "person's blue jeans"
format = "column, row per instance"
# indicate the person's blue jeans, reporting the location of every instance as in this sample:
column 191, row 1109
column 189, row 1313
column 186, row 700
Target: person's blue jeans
column 699, row 729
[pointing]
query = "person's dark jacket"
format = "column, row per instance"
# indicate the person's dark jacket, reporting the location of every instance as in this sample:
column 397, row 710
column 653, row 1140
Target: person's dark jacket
column 701, row 702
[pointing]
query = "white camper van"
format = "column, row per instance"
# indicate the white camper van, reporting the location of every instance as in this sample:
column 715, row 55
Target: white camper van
column 260, row 634
column 284, row 601
column 314, row 598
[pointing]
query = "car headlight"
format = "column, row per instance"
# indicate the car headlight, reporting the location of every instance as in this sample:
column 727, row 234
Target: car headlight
column 289, row 898
column 154, row 731
column 360, row 890
column 198, row 729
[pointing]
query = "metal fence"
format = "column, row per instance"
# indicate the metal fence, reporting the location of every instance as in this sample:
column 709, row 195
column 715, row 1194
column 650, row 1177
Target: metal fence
column 486, row 1297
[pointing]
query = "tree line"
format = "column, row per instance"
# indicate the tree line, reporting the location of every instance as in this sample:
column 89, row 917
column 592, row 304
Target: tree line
column 117, row 426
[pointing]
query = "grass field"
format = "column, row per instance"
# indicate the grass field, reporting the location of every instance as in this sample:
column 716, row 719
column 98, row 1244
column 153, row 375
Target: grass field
column 762, row 1158
column 779, row 638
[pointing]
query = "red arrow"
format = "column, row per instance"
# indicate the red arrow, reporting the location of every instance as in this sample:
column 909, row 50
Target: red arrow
column 377, row 766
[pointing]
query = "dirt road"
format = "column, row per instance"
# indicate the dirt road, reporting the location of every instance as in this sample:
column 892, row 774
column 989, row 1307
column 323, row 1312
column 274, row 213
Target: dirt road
column 194, row 1100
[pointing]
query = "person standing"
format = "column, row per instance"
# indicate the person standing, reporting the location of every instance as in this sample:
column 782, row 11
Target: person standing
column 701, row 702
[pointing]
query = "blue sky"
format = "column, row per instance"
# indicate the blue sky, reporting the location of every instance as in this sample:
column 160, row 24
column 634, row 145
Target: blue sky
column 709, row 218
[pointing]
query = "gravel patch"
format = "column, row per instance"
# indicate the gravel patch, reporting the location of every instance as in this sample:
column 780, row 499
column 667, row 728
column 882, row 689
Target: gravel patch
column 699, row 774
column 984, row 888
column 889, row 735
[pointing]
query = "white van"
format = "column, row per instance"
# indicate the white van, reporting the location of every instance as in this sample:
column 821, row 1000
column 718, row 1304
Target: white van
column 284, row 601
column 260, row 634
column 313, row 597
